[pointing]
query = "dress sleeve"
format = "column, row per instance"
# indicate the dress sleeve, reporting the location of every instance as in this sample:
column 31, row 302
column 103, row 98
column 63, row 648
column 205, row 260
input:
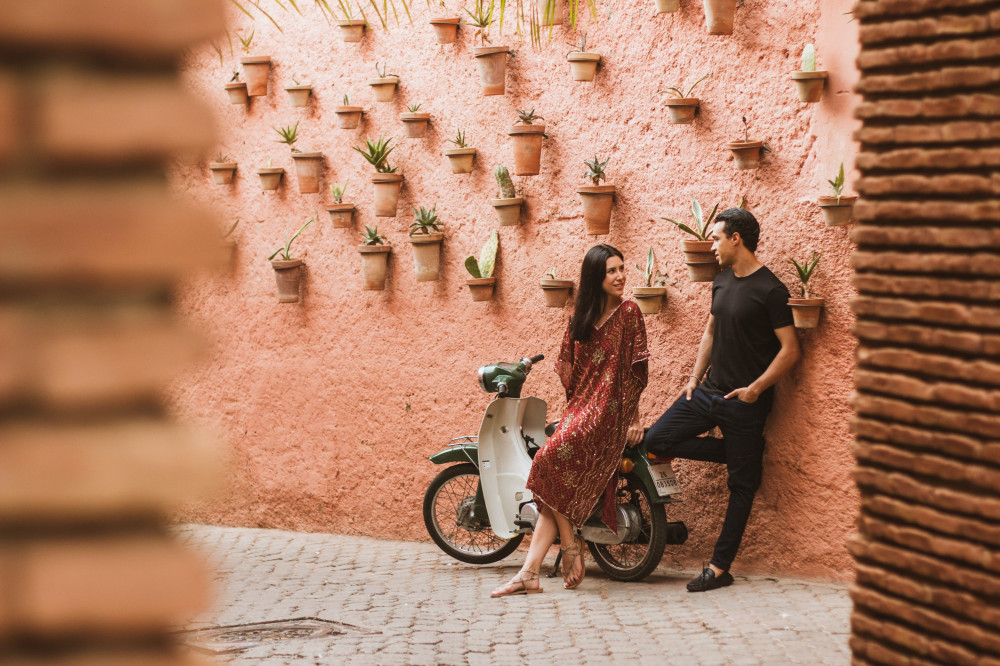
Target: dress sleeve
column 564, row 364
column 638, row 353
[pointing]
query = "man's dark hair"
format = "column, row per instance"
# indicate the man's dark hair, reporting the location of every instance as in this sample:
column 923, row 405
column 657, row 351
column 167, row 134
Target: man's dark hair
column 742, row 221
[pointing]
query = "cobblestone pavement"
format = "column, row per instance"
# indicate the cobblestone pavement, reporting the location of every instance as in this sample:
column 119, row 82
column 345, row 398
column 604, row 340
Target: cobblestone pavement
column 409, row 603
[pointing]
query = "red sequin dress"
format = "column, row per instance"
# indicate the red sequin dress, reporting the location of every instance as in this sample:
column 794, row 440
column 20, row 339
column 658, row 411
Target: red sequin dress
column 604, row 379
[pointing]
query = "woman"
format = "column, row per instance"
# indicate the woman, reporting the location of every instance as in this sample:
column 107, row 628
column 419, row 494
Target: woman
column 602, row 365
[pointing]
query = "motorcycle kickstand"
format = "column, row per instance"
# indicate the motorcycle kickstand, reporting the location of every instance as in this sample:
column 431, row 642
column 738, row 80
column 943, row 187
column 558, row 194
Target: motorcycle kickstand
column 555, row 567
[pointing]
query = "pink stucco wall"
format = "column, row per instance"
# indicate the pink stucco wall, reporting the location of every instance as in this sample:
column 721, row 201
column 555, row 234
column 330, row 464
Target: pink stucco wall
column 332, row 405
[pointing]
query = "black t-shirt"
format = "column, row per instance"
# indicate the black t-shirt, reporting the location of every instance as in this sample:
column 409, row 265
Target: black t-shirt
column 747, row 310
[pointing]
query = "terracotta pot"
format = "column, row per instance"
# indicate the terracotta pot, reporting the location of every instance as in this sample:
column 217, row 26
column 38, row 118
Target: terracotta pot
column 348, row 117
column 415, row 123
column 682, row 110
column 385, row 88
column 719, row 15
column 237, row 93
column 426, row 255
column 583, row 66
column 309, row 170
column 556, row 292
column 352, row 30
column 341, row 215
column 810, row 85
column 374, row 266
column 554, row 15
column 387, row 187
column 527, row 140
column 446, row 29
column 299, row 94
column 256, row 70
column 287, row 274
column 270, row 177
column 700, row 259
column 492, row 61
column 223, row 172
column 508, row 210
column 667, row 6
column 650, row 299
column 746, row 153
column 461, row 159
column 597, row 200
column 837, row 212
column 806, row 311
column 481, row 288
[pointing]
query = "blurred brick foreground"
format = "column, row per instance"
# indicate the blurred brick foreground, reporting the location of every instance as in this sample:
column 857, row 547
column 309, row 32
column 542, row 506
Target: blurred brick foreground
column 92, row 248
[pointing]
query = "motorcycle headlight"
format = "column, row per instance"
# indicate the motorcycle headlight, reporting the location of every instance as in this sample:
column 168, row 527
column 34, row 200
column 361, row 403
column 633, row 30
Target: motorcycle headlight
column 482, row 378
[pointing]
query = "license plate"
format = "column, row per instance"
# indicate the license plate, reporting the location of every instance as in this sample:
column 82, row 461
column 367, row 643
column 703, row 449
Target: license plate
column 664, row 479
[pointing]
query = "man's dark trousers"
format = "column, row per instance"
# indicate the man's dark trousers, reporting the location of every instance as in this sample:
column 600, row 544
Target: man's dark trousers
column 741, row 448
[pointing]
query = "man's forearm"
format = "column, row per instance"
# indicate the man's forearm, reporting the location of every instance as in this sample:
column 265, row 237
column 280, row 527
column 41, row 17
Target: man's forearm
column 704, row 357
column 778, row 368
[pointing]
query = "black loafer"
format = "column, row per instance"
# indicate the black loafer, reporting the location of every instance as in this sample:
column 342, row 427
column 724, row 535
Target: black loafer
column 708, row 581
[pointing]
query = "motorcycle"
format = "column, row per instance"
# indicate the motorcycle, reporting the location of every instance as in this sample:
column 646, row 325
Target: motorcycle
column 477, row 510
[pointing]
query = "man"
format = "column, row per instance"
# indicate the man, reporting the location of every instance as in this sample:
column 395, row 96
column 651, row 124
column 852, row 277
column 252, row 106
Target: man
column 748, row 344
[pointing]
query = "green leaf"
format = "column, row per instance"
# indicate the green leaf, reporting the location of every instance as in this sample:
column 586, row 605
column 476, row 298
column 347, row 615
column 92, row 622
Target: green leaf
column 488, row 255
column 472, row 266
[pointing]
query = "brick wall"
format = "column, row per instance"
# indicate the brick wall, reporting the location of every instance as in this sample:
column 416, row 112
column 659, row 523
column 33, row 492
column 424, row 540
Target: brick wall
column 93, row 248
column 927, row 382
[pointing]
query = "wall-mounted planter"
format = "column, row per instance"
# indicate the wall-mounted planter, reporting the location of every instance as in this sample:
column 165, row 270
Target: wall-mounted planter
column 700, row 259
column 746, row 153
column 583, row 65
column 348, row 117
column 384, row 88
column 809, row 85
column 387, row 187
column 481, row 288
column 597, row 200
column 492, row 61
column 426, row 255
column 556, row 292
column 374, row 266
column 806, row 311
column 554, row 15
column 352, row 30
column 682, row 110
column 237, row 93
column 527, row 140
column 415, row 124
column 649, row 299
column 341, row 215
column 299, row 95
column 222, row 172
column 256, row 70
column 287, row 274
column 461, row 159
column 837, row 211
column 446, row 29
column 508, row 210
column 309, row 169
column 719, row 16
column 667, row 6
column 270, row 177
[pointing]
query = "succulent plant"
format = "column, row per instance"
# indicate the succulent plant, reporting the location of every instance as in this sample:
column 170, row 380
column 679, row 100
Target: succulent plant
column 245, row 42
column 651, row 276
column 459, row 139
column 551, row 273
column 504, row 182
column 425, row 221
column 381, row 71
column 805, row 271
column 371, row 236
column 376, row 153
column 482, row 19
column 289, row 135
column 222, row 158
column 231, row 229
column 527, row 117
column 582, row 46
column 809, row 58
column 337, row 191
column 483, row 268
column 837, row 184
column 683, row 94
column 413, row 108
column 746, row 129
column 595, row 170
column 347, row 100
column 284, row 249
column 703, row 226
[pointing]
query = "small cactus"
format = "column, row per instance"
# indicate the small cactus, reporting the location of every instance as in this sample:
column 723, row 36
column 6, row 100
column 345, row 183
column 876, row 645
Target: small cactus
column 809, row 58
column 487, row 258
column 504, row 182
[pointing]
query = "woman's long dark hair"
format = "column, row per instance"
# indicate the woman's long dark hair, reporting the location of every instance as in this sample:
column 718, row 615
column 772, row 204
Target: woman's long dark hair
column 591, row 296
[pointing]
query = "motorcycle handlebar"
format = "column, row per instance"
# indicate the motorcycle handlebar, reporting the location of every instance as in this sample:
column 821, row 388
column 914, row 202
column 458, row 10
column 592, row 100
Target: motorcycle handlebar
column 536, row 359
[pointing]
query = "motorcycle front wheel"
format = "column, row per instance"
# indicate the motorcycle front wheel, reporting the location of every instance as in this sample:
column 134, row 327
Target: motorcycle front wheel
column 633, row 561
column 448, row 515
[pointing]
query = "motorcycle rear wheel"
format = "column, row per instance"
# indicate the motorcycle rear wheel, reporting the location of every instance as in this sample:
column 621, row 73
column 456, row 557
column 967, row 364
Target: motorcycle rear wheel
column 447, row 496
column 634, row 561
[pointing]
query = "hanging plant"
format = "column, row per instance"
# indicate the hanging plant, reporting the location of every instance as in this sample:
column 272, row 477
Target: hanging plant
column 527, row 139
column 288, row 271
column 508, row 204
column 597, row 198
column 807, row 309
column 653, row 292
column 374, row 259
column 746, row 152
column 809, row 83
column 698, row 254
column 837, row 210
column 681, row 106
column 461, row 156
column 482, row 282
column 582, row 63
column 556, row 291
column 385, row 179
column 341, row 213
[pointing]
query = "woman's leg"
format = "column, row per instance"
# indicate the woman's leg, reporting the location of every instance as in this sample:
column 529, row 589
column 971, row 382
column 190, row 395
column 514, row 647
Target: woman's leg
column 567, row 538
column 542, row 538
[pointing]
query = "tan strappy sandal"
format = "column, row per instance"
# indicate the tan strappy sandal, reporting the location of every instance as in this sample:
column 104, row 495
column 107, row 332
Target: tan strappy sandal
column 569, row 554
column 520, row 578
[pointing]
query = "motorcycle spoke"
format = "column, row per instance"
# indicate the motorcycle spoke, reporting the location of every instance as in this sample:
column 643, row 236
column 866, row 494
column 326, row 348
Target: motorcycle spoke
column 447, row 508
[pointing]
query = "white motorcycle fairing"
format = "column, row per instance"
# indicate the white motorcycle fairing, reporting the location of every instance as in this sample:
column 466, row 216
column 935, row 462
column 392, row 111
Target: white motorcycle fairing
column 504, row 462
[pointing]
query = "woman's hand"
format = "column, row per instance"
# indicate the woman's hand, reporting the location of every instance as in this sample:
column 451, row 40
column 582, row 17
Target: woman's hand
column 635, row 433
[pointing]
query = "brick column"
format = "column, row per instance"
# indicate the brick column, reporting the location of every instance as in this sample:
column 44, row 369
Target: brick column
column 91, row 249
column 928, row 367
